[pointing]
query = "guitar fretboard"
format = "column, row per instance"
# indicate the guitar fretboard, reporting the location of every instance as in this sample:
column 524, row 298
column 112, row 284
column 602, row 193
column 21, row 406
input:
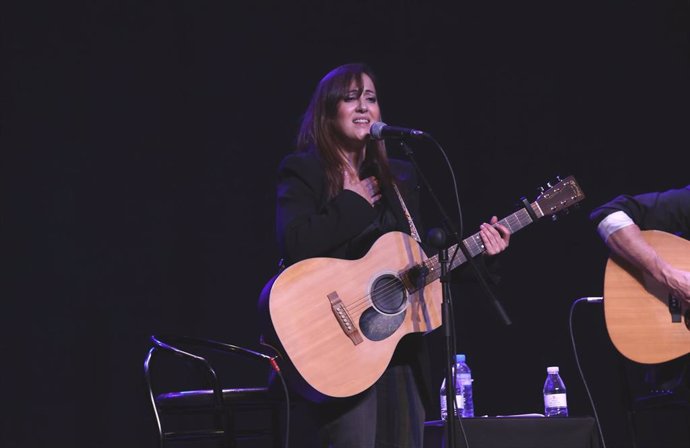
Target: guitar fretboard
column 475, row 245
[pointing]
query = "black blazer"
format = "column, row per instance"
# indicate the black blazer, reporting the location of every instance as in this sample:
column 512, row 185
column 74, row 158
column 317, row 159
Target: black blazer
column 309, row 225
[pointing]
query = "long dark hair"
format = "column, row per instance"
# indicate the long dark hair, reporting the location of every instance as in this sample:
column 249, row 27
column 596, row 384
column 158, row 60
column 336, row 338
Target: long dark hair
column 318, row 130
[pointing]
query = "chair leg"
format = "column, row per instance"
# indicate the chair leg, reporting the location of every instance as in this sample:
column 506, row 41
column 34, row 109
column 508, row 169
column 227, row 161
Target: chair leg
column 228, row 425
column 632, row 427
column 626, row 398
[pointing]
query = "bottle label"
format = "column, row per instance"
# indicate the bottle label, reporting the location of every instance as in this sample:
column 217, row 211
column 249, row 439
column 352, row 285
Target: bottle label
column 465, row 379
column 555, row 401
column 459, row 401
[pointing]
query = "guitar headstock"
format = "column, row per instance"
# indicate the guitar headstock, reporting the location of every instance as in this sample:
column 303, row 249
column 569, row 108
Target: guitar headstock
column 558, row 198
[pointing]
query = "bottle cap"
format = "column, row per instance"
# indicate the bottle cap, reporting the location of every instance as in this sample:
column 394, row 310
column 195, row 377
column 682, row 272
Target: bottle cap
column 460, row 357
column 552, row 369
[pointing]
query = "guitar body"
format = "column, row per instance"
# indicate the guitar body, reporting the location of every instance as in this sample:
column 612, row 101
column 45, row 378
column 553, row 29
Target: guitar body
column 636, row 307
column 339, row 321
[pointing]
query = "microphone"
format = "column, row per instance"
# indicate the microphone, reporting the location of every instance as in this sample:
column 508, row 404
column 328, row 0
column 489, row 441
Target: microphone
column 381, row 130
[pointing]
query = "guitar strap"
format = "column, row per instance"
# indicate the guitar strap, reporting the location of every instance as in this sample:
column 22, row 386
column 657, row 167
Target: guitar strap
column 413, row 228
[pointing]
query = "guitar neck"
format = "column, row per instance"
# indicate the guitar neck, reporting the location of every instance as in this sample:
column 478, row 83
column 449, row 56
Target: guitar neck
column 475, row 245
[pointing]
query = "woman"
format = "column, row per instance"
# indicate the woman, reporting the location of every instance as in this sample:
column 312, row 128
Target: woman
column 337, row 194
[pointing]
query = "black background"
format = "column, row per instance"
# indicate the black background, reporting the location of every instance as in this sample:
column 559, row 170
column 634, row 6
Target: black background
column 139, row 145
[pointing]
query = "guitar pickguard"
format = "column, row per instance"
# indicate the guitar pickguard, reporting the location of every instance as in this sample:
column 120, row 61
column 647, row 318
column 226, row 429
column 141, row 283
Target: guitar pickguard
column 377, row 327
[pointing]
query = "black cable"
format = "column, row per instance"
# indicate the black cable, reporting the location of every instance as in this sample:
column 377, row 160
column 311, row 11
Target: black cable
column 287, row 403
column 458, row 233
column 577, row 362
column 276, row 368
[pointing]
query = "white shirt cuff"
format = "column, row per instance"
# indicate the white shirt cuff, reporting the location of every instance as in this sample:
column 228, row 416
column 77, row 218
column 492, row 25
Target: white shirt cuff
column 612, row 223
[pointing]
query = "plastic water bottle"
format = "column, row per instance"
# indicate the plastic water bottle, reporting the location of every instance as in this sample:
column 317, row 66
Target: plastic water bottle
column 464, row 403
column 555, row 400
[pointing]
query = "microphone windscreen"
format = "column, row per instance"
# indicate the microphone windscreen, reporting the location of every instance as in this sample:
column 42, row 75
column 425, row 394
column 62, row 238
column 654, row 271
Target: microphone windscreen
column 376, row 130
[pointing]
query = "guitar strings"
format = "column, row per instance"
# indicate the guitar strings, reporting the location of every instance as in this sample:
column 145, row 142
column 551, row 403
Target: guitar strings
column 384, row 291
column 389, row 288
column 366, row 301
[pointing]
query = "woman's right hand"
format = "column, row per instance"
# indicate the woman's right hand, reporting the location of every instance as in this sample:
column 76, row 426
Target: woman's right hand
column 367, row 188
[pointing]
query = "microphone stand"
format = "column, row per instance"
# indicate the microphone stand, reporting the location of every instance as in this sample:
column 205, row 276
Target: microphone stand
column 438, row 240
column 447, row 316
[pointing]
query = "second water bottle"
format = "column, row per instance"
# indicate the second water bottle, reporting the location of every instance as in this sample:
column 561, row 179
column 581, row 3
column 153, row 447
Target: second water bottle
column 555, row 399
column 464, row 402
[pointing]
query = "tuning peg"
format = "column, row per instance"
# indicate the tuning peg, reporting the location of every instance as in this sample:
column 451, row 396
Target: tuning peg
column 541, row 189
column 558, row 178
column 548, row 185
column 554, row 218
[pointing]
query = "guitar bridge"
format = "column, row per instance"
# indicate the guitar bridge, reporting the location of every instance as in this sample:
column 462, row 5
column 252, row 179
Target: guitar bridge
column 344, row 319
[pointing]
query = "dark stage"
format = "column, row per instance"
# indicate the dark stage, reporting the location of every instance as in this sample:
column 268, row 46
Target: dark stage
column 140, row 140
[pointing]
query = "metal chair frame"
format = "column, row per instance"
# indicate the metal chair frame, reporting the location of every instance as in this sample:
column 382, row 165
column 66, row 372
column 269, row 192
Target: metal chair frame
column 216, row 401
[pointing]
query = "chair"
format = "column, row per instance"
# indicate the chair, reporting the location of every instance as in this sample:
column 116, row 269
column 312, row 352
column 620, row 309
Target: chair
column 208, row 413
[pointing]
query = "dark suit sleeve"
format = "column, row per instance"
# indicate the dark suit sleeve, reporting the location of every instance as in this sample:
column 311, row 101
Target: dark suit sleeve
column 668, row 211
column 307, row 224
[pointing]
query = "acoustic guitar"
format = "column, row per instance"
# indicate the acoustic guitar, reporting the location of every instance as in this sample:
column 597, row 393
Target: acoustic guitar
column 644, row 322
column 338, row 321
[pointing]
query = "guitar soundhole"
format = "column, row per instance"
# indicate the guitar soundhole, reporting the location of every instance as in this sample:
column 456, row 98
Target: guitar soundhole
column 388, row 294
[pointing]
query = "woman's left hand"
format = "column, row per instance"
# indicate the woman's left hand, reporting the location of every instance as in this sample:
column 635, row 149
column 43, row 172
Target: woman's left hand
column 496, row 237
